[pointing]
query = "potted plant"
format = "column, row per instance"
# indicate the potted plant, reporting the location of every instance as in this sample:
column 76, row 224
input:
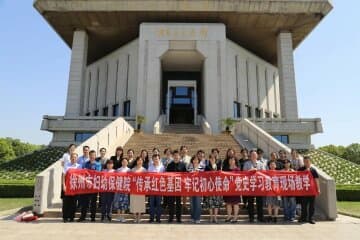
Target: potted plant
column 139, row 120
column 228, row 123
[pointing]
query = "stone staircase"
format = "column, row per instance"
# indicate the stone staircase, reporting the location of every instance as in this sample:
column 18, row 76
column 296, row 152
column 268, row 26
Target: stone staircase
column 182, row 128
column 194, row 142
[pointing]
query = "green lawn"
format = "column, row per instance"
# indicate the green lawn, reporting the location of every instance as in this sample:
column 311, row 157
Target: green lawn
column 11, row 203
column 349, row 208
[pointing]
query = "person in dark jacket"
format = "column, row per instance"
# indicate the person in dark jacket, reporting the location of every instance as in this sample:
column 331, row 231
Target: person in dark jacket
column 175, row 201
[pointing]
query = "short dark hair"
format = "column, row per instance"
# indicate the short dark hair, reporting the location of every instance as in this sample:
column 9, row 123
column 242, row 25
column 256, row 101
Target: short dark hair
column 155, row 155
column 215, row 150
column 125, row 158
column 253, row 150
column 102, row 149
column 138, row 159
column 131, row 150
column 109, row 162
column 244, row 150
column 176, row 152
column 92, row 151
column 260, row 151
column 167, row 149
column 86, row 147
column 307, row 158
column 200, row 151
column 155, row 148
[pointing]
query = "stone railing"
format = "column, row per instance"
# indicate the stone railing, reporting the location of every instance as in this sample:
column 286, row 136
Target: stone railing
column 205, row 125
column 326, row 201
column 48, row 182
column 279, row 125
column 259, row 137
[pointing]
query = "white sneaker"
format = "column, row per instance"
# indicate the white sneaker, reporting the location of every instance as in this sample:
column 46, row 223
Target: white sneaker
column 123, row 220
column 197, row 221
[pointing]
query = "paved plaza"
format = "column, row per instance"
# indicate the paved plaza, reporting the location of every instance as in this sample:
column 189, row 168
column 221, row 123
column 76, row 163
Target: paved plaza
column 53, row 229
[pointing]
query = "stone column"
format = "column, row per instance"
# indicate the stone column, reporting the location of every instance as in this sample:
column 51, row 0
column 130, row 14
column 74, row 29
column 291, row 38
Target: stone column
column 77, row 73
column 285, row 61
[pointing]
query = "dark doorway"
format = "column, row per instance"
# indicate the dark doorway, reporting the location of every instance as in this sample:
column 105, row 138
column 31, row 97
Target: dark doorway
column 182, row 103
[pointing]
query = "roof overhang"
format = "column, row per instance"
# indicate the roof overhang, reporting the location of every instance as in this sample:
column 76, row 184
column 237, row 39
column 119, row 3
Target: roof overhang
column 252, row 24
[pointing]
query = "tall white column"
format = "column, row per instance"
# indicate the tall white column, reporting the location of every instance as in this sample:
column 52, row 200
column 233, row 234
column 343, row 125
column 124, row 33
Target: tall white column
column 77, row 73
column 285, row 58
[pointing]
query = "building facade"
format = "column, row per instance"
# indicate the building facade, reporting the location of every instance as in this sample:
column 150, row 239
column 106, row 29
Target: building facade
column 182, row 62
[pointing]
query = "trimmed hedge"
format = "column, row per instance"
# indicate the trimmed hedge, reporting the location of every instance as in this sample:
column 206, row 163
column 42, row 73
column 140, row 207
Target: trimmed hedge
column 348, row 192
column 16, row 190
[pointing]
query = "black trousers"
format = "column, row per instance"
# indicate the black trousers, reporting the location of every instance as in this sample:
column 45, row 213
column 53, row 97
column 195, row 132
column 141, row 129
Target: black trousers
column 307, row 208
column 259, row 207
column 85, row 201
column 69, row 207
column 174, row 202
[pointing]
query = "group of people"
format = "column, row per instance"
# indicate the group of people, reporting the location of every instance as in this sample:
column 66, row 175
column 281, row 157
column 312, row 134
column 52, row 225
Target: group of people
column 180, row 161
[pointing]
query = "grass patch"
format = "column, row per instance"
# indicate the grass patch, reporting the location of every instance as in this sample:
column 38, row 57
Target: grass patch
column 11, row 203
column 349, row 208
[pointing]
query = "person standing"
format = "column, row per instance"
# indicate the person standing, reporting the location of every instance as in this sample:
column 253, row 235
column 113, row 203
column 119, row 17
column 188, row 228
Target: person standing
column 195, row 201
column 168, row 157
column 232, row 202
column 85, row 157
column 69, row 202
column 175, row 201
column 155, row 201
column 121, row 200
column 289, row 202
column 119, row 154
column 107, row 197
column 137, row 202
column 91, row 198
column 273, row 202
column 66, row 156
column 253, row 165
column 213, row 203
column 308, row 202
column 102, row 159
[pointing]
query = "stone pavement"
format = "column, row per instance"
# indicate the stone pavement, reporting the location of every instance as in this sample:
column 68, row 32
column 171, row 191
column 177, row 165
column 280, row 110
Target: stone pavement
column 53, row 229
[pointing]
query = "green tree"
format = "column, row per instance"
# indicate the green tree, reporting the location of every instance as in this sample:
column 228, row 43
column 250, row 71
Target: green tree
column 6, row 151
column 20, row 148
column 335, row 150
column 352, row 153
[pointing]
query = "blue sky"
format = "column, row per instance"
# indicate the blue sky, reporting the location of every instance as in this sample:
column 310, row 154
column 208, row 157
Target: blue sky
column 34, row 69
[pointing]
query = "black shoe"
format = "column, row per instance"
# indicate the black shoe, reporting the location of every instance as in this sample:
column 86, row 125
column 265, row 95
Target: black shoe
column 301, row 220
column 233, row 221
column 109, row 218
column 93, row 220
column 251, row 220
column 151, row 220
column 102, row 218
column 158, row 221
column 81, row 220
column 261, row 220
column 275, row 219
column 65, row 220
column 71, row 220
column 170, row 221
column 228, row 220
column 311, row 221
column 179, row 221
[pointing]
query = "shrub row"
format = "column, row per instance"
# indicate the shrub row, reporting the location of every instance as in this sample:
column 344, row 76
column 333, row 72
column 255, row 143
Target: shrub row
column 348, row 192
column 16, row 190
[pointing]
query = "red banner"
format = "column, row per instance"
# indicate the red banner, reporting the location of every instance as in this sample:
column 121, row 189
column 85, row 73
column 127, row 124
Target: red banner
column 246, row 183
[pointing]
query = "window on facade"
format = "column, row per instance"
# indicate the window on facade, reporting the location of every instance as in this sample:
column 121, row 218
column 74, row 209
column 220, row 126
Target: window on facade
column 237, row 110
column 105, row 111
column 126, row 112
column 267, row 115
column 282, row 138
column 116, row 111
column 83, row 136
column 248, row 110
column 96, row 113
column 257, row 113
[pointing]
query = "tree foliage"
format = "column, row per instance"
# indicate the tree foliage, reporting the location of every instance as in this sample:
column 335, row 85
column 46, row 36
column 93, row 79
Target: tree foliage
column 351, row 152
column 12, row 148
